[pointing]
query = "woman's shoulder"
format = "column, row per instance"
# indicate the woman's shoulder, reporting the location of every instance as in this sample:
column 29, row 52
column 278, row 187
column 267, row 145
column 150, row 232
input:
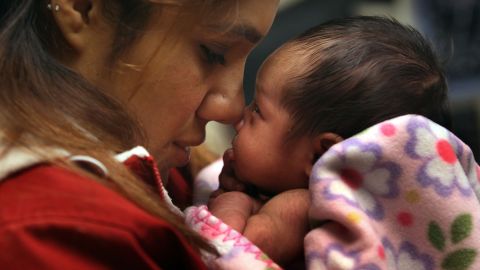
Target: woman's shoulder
column 49, row 190
column 66, row 213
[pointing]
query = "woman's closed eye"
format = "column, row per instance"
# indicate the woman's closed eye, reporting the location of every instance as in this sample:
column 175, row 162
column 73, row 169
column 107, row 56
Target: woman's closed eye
column 213, row 57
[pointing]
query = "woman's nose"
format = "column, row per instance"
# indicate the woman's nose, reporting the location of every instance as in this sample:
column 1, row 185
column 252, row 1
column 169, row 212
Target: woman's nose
column 224, row 107
column 224, row 102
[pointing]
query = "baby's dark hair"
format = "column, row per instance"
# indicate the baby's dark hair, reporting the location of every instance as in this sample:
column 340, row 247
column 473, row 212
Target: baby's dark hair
column 360, row 71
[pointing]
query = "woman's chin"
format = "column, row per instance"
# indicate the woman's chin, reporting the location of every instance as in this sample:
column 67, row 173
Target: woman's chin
column 172, row 157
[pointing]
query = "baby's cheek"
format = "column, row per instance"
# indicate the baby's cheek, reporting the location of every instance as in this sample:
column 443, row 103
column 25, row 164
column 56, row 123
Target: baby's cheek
column 240, row 164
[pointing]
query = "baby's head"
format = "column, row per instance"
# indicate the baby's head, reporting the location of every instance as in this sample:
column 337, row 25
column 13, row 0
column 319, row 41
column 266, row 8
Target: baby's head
column 330, row 83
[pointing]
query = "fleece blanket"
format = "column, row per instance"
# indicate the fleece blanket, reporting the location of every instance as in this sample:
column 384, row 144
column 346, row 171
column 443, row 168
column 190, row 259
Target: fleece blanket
column 402, row 194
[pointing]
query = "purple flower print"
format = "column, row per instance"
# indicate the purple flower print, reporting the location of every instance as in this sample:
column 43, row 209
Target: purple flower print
column 440, row 151
column 356, row 173
column 406, row 257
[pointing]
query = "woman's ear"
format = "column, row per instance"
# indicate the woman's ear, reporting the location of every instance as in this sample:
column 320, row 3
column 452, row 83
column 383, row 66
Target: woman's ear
column 323, row 142
column 74, row 19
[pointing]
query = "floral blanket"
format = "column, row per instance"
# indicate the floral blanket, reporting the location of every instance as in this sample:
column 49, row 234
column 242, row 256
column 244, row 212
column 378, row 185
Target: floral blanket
column 402, row 194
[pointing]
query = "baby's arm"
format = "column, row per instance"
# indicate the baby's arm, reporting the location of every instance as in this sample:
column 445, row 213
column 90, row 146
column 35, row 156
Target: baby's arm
column 234, row 208
column 280, row 226
column 277, row 228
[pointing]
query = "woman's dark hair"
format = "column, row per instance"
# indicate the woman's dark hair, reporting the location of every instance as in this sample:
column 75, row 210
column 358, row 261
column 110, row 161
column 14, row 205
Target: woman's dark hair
column 360, row 71
column 44, row 104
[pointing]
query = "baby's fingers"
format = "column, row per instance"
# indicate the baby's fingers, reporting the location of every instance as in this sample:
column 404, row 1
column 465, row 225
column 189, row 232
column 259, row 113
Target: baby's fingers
column 227, row 179
column 228, row 159
column 229, row 182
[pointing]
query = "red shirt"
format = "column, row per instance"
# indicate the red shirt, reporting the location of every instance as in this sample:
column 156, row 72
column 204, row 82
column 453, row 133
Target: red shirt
column 52, row 218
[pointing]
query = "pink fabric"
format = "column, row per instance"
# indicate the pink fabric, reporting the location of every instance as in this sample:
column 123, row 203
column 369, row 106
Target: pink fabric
column 236, row 251
column 403, row 194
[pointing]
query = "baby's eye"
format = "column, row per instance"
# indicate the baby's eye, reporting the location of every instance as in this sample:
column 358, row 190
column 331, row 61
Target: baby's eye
column 255, row 108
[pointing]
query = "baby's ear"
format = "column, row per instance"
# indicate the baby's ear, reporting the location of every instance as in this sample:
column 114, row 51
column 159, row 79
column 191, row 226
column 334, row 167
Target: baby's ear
column 323, row 142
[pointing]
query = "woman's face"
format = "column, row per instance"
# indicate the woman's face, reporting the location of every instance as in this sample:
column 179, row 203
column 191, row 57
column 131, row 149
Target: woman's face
column 175, row 81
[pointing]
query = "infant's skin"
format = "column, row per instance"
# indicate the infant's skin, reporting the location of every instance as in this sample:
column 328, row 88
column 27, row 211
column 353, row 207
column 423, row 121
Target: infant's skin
column 277, row 227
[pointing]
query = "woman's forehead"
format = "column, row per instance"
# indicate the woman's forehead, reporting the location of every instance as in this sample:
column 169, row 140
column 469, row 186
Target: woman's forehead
column 249, row 19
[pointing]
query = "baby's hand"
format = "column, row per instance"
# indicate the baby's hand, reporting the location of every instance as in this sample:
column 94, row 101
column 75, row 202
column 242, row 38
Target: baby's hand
column 280, row 226
column 234, row 208
column 227, row 178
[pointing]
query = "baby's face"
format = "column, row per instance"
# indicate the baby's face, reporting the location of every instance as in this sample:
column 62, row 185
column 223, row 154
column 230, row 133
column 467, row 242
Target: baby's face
column 262, row 155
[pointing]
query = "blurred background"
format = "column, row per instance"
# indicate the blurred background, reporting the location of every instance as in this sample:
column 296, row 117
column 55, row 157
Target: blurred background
column 453, row 26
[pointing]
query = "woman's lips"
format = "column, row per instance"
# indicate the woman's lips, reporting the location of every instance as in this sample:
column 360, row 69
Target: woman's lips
column 182, row 155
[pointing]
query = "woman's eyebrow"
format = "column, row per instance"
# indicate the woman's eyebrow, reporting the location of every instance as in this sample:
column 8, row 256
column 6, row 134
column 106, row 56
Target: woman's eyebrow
column 245, row 31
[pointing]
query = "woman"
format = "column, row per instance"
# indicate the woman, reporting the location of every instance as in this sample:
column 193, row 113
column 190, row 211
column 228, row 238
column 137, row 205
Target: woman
column 82, row 80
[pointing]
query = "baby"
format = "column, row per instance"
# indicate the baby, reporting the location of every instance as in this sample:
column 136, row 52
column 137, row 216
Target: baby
column 330, row 83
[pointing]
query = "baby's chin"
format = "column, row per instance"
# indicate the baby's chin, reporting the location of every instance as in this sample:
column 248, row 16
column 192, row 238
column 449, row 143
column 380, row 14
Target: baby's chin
column 256, row 191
